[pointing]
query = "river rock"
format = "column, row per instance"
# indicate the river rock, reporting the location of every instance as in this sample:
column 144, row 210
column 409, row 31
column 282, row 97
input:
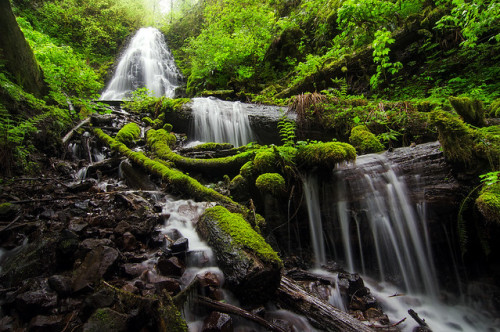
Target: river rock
column 180, row 245
column 97, row 263
column 42, row 323
column 217, row 322
column 134, row 270
column 36, row 302
column 161, row 283
column 170, row 266
column 209, row 286
column 60, row 284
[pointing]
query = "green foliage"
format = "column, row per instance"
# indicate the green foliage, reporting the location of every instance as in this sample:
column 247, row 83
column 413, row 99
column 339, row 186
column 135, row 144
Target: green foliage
column 233, row 40
column 477, row 20
column 364, row 141
column 381, row 57
column 287, row 131
column 488, row 201
column 490, row 178
column 272, row 183
column 471, row 110
column 66, row 72
column 96, row 28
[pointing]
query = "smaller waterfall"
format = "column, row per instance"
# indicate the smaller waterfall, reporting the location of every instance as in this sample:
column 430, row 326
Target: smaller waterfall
column 220, row 121
column 147, row 62
column 379, row 213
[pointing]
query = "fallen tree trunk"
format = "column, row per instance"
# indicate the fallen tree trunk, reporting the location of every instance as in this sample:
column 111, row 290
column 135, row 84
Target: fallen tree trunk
column 231, row 309
column 320, row 314
column 68, row 136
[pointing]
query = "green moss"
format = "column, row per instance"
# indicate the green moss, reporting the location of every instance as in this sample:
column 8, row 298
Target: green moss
column 173, row 318
column 129, row 133
column 471, row 110
column 242, row 233
column 265, row 161
column 456, row 138
column 488, row 202
column 168, row 127
column 158, row 141
column 364, row 141
column 272, row 183
column 325, row 155
column 247, row 170
column 156, row 124
column 7, row 209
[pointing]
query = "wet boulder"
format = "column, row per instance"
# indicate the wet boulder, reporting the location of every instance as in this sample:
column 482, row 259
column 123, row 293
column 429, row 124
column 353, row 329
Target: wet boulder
column 170, row 266
column 32, row 303
column 60, row 284
column 97, row 263
column 42, row 323
column 251, row 267
column 106, row 319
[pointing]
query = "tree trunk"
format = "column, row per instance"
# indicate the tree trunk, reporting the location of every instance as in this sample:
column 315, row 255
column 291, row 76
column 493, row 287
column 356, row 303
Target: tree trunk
column 19, row 59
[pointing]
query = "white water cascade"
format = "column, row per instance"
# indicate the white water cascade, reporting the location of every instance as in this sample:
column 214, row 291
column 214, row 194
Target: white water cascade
column 147, row 62
column 220, row 121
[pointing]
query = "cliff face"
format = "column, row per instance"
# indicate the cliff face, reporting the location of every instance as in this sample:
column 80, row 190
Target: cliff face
column 16, row 54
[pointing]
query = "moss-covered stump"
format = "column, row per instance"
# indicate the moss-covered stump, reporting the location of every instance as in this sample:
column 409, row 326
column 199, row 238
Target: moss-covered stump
column 365, row 141
column 471, row 110
column 324, row 155
column 488, row 203
column 251, row 267
column 129, row 134
column 159, row 140
column 272, row 183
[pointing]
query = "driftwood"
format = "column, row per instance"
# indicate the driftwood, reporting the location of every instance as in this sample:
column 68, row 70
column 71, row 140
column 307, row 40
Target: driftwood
column 423, row 325
column 231, row 309
column 68, row 136
column 320, row 314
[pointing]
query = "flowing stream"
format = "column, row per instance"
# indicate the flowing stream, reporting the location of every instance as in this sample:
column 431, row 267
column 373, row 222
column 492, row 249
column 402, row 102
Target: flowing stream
column 146, row 62
column 219, row 121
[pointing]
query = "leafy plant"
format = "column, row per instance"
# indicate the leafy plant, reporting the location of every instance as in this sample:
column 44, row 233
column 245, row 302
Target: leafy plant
column 381, row 57
column 287, row 131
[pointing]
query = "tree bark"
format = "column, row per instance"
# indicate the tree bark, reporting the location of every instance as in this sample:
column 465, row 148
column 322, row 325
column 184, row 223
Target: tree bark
column 19, row 58
column 320, row 314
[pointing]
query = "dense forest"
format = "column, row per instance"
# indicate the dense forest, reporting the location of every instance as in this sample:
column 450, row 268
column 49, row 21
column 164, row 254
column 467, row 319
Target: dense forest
column 334, row 80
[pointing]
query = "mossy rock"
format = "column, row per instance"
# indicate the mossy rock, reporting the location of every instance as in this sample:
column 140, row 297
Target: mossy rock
column 251, row 267
column 106, row 319
column 488, row 202
column 471, row 110
column 324, row 155
column 365, row 141
column 456, row 138
column 8, row 211
column 265, row 161
column 272, row 183
column 155, row 124
column 239, row 188
column 129, row 133
column 168, row 127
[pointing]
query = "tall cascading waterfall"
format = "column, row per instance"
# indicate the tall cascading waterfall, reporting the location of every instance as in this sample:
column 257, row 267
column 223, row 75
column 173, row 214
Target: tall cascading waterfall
column 146, row 62
column 373, row 226
column 220, row 121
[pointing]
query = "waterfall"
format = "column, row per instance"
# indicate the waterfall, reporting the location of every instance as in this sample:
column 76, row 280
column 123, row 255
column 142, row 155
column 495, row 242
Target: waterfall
column 146, row 62
column 376, row 228
column 220, row 121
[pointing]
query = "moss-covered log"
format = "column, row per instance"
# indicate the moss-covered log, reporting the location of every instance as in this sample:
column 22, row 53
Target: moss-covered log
column 181, row 182
column 251, row 267
column 160, row 142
